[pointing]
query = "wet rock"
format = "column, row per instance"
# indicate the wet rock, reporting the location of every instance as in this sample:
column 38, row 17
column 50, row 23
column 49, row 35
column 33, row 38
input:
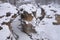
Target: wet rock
column 55, row 23
column 8, row 14
column 1, row 28
column 14, row 16
column 8, row 37
column 34, row 13
column 49, row 6
column 42, row 13
column 53, row 11
column 37, row 39
column 1, row 16
column 21, row 9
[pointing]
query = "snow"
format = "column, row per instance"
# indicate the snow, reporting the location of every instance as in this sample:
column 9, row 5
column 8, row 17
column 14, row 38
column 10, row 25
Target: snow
column 17, row 30
column 28, row 7
column 6, row 7
column 44, row 28
column 31, row 8
column 27, row 0
column 5, row 32
column 46, row 24
column 38, row 13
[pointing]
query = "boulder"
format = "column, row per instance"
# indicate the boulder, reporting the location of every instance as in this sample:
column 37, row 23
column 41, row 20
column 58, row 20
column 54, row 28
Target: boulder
column 57, row 18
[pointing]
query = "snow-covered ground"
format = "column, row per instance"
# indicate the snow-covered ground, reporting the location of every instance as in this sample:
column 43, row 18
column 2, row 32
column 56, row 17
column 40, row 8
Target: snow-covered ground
column 45, row 28
column 5, row 17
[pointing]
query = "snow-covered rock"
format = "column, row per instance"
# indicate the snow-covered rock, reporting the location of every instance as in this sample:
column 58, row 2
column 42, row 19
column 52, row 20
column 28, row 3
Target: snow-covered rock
column 8, row 13
column 30, row 16
column 5, row 33
column 45, row 28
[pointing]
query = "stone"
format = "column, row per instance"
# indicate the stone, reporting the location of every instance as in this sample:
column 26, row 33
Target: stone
column 8, row 14
column 27, row 28
column 1, row 28
column 8, row 23
column 1, row 16
column 42, row 13
column 14, row 16
column 57, row 18
column 8, row 37
column 26, row 16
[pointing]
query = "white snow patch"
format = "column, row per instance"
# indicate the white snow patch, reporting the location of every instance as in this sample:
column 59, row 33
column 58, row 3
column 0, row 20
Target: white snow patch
column 28, row 7
column 6, row 7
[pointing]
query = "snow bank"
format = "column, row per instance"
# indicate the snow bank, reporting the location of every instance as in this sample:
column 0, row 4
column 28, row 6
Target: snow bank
column 6, row 12
column 45, row 28
column 5, row 33
column 6, row 7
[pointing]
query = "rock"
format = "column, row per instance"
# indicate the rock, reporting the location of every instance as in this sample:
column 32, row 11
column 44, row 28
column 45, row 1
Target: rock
column 1, row 16
column 29, row 17
column 28, row 28
column 8, row 14
column 48, row 16
column 26, row 16
column 55, row 23
column 14, row 16
column 8, row 37
column 7, row 23
column 57, row 18
column 53, row 11
column 34, row 13
column 1, row 28
column 42, row 13
column 21, row 9
column 49, row 6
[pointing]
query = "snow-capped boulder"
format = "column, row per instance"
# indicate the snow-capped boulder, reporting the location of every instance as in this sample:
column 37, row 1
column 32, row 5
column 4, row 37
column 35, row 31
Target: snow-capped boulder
column 57, row 18
column 42, row 21
column 29, row 14
column 7, row 13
